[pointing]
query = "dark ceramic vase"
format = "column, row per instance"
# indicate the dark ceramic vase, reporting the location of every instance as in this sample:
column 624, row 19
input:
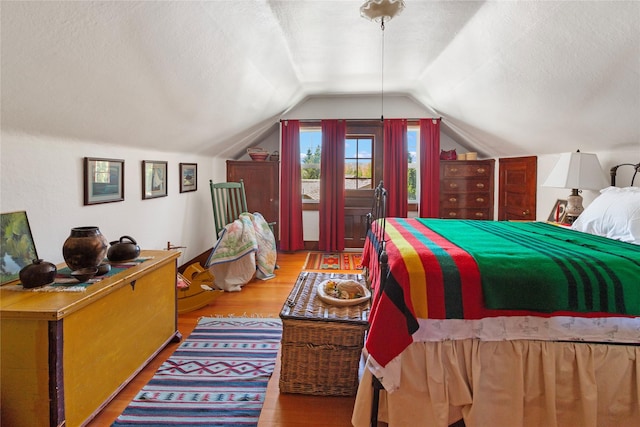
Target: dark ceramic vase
column 39, row 273
column 85, row 247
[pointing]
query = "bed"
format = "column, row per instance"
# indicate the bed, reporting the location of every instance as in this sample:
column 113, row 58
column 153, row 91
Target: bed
column 541, row 329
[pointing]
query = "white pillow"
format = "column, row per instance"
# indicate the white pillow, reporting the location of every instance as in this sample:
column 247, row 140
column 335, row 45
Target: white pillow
column 615, row 213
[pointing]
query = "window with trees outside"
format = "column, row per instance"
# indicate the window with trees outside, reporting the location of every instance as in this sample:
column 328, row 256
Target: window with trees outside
column 359, row 160
column 358, row 163
column 413, row 159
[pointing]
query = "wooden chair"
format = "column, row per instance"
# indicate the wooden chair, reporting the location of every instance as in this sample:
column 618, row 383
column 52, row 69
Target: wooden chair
column 229, row 201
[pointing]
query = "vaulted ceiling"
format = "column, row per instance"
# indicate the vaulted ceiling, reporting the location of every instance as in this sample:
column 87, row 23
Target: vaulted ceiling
column 508, row 77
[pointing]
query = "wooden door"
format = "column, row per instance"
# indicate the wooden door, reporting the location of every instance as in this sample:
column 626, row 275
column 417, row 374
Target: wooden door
column 261, row 186
column 517, row 188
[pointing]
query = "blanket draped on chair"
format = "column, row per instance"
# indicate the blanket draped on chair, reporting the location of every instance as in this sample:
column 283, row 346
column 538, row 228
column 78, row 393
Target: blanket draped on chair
column 246, row 247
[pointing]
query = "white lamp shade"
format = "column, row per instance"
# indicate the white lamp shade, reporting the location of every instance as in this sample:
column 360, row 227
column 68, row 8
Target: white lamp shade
column 577, row 170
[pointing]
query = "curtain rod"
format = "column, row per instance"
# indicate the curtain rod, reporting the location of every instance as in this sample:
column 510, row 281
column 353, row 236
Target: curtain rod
column 362, row 120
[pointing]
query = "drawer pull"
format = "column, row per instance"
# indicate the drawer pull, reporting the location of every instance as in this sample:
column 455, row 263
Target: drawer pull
column 479, row 215
column 453, row 200
column 480, row 199
column 480, row 185
column 453, row 214
column 133, row 285
column 453, row 170
column 481, row 170
column 453, row 185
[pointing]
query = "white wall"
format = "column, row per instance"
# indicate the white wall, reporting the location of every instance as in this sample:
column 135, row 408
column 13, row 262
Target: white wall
column 44, row 177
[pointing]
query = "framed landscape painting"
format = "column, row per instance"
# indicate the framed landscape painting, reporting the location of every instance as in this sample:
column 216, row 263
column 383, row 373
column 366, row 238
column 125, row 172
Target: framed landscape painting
column 103, row 180
column 154, row 179
column 188, row 177
column 17, row 249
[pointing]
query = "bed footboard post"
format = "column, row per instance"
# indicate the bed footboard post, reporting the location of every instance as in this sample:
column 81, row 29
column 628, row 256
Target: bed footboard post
column 375, row 400
column 384, row 270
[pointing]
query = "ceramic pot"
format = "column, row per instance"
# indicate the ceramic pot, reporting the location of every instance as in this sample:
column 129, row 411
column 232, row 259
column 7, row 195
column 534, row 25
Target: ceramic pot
column 125, row 249
column 39, row 273
column 85, row 247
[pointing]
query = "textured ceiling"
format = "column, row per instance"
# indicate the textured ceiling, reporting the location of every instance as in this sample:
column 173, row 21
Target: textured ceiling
column 508, row 78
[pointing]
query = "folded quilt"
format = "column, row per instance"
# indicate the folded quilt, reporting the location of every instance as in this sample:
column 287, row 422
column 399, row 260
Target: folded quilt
column 246, row 247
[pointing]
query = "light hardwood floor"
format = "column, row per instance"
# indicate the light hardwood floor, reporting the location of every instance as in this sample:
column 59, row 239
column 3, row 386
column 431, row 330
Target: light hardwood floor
column 261, row 299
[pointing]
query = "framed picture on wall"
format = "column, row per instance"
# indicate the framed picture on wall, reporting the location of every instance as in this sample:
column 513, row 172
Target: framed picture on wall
column 188, row 177
column 559, row 212
column 154, row 179
column 103, row 180
column 17, row 248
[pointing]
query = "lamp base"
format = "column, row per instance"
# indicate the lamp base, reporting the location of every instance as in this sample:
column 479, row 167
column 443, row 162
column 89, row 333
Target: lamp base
column 574, row 204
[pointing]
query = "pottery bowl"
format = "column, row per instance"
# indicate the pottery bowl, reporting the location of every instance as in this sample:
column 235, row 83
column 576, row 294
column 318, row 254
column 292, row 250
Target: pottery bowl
column 259, row 156
column 103, row 268
column 84, row 274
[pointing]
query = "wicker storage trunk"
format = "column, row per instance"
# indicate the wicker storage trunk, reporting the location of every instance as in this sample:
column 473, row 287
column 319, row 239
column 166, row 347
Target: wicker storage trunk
column 321, row 343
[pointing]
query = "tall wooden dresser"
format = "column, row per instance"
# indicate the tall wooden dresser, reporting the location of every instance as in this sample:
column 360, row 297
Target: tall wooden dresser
column 261, row 186
column 466, row 189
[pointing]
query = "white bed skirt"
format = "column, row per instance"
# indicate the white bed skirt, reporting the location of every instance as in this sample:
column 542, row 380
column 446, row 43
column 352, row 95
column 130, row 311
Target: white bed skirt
column 510, row 384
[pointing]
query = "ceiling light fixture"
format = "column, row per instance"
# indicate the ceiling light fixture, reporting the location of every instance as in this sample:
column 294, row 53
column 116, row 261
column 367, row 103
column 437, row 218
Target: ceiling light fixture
column 381, row 11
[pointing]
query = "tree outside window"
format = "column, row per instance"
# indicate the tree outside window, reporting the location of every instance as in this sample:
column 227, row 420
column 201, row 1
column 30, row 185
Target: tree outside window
column 358, row 166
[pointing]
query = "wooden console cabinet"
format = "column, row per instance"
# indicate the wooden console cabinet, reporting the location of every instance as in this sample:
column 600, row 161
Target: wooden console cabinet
column 466, row 189
column 65, row 355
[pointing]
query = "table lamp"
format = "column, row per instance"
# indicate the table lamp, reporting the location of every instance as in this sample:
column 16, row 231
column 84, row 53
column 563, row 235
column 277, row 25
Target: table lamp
column 576, row 171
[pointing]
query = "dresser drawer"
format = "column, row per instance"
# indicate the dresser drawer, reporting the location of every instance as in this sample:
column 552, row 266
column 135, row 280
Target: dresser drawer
column 466, row 169
column 454, row 213
column 465, row 200
column 465, row 185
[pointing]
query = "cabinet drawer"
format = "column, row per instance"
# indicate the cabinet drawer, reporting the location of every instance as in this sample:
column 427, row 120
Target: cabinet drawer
column 465, row 200
column 467, row 185
column 465, row 213
column 466, row 170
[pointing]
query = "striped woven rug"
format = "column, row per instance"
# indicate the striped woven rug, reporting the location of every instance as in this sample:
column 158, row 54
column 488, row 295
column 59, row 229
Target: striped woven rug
column 217, row 377
column 333, row 261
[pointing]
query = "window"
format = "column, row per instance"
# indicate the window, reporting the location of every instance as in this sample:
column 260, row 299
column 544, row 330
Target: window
column 361, row 152
column 413, row 159
column 310, row 144
column 358, row 162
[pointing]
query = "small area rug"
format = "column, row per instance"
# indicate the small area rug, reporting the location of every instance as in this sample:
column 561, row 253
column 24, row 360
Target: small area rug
column 333, row 261
column 217, row 377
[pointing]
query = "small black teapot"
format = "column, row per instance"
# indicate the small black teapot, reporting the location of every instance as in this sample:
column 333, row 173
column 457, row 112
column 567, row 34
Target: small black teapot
column 39, row 273
column 121, row 250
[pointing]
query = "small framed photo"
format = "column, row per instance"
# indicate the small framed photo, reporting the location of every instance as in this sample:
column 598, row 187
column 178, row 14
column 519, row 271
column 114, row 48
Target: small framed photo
column 103, row 180
column 559, row 212
column 188, row 177
column 154, row 179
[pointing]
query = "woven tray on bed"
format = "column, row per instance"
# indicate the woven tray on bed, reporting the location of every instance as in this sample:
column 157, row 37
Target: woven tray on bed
column 321, row 343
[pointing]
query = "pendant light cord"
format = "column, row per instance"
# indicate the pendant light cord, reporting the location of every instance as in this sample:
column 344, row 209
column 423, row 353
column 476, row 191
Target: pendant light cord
column 382, row 75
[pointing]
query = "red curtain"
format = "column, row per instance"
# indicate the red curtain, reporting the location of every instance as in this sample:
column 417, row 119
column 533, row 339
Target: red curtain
column 291, row 237
column 395, row 167
column 331, row 235
column 430, row 168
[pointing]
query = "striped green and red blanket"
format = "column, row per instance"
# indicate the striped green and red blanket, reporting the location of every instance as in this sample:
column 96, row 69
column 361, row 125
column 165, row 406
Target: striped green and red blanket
column 459, row 269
